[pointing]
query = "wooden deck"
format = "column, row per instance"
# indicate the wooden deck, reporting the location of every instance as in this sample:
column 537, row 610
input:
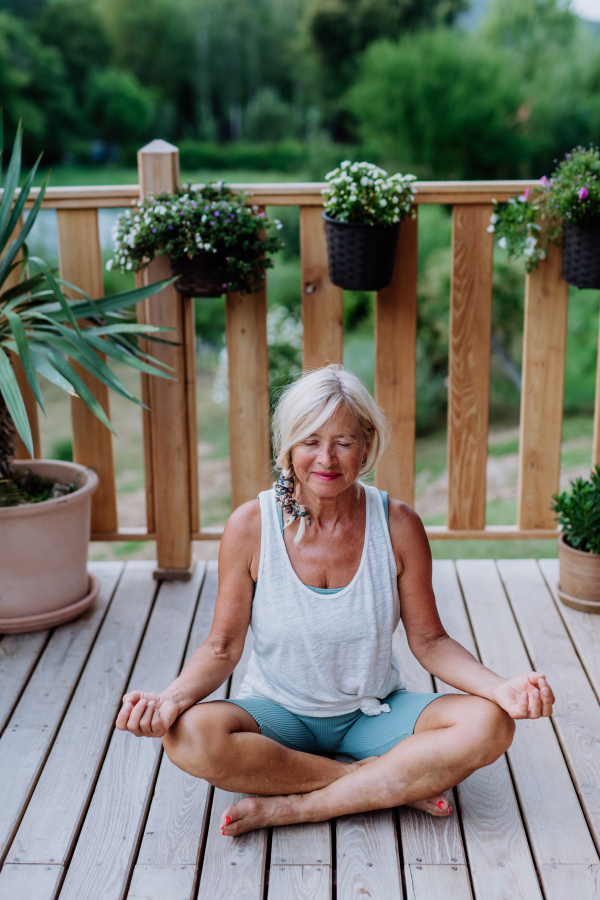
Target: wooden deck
column 89, row 813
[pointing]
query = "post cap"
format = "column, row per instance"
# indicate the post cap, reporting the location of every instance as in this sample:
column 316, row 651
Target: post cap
column 159, row 146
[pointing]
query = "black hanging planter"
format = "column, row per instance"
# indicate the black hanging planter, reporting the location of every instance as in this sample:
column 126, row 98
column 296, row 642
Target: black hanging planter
column 361, row 257
column 201, row 276
column 581, row 255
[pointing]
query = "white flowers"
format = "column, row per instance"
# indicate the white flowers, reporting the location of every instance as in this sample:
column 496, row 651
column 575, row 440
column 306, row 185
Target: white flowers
column 502, row 243
column 530, row 245
column 109, row 265
column 362, row 192
column 490, row 229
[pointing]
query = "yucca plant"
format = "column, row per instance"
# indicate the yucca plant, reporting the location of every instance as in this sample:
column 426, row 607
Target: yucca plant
column 45, row 329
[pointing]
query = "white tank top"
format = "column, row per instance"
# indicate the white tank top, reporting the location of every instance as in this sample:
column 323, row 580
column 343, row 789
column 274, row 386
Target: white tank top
column 324, row 655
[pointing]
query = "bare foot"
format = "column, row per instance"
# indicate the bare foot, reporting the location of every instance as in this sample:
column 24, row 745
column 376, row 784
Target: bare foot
column 435, row 806
column 258, row 812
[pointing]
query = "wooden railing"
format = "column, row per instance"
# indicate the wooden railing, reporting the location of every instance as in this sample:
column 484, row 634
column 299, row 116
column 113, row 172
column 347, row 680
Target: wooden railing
column 170, row 437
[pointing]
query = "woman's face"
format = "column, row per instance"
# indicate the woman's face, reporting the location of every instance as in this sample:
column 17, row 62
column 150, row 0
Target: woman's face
column 329, row 460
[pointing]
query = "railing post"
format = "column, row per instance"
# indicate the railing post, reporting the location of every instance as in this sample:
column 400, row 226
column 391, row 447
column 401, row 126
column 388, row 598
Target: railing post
column 544, row 350
column 80, row 261
column 596, row 447
column 322, row 301
column 169, row 442
column 396, row 366
column 469, row 365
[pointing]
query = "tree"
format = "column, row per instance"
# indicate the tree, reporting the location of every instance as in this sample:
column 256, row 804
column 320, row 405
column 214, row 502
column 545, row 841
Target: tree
column 442, row 104
column 34, row 87
column 339, row 30
column 119, row 109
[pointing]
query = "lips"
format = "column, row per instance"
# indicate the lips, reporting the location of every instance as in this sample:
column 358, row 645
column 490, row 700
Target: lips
column 327, row 476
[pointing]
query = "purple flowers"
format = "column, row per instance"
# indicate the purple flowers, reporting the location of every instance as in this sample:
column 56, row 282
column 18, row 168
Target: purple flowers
column 526, row 194
column 544, row 181
column 583, row 193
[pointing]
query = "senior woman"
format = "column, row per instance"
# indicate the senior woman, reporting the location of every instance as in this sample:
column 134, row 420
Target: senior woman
column 322, row 568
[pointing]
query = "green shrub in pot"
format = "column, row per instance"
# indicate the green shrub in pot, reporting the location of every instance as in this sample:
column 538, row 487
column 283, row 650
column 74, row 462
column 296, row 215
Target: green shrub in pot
column 578, row 512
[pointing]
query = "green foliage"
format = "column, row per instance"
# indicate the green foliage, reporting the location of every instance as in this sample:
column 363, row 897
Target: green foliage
column 362, row 193
column 29, row 487
column 526, row 225
column 573, row 192
column 195, row 222
column 339, row 30
column 33, row 87
column 42, row 327
column 62, row 449
column 442, row 103
column 578, row 513
column 120, row 109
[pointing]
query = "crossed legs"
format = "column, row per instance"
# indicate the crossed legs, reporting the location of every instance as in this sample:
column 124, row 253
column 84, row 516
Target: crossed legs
column 220, row 742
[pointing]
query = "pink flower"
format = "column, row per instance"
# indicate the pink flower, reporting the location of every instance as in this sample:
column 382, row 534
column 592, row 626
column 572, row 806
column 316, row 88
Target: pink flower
column 583, row 193
column 544, row 181
column 526, row 194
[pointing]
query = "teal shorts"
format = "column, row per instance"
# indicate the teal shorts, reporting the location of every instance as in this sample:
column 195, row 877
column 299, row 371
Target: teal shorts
column 354, row 734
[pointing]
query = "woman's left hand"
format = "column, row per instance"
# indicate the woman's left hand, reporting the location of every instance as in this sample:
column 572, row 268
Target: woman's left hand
column 525, row 696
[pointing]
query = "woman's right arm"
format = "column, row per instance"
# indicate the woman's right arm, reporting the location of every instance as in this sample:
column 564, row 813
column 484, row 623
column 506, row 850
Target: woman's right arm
column 152, row 715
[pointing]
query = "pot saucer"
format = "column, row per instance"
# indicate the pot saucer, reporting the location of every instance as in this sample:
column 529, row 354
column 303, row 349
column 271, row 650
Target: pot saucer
column 59, row 616
column 589, row 606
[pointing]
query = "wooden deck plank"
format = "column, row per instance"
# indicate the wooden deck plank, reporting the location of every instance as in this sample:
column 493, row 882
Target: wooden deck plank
column 576, row 712
column 53, row 817
column 300, row 883
column 555, row 823
column 436, row 882
column 19, row 654
column 368, row 863
column 233, row 866
column 176, row 822
column 425, row 838
column 499, row 857
column 29, row 882
column 583, row 628
column 106, row 848
column 302, row 845
column 32, row 728
column 162, row 882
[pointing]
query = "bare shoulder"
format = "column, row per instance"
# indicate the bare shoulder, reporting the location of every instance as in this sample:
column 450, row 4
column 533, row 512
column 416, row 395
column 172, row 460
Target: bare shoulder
column 407, row 534
column 240, row 544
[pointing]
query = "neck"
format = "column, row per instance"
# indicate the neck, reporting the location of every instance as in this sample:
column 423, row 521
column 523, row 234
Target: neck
column 330, row 510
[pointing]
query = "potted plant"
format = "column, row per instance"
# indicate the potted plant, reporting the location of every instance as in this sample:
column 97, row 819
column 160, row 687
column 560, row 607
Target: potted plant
column 566, row 205
column 45, row 504
column 215, row 243
column 363, row 211
column 578, row 511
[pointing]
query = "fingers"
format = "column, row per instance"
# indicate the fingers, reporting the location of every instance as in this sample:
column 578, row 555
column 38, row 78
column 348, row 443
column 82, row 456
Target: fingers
column 547, row 696
column 535, row 705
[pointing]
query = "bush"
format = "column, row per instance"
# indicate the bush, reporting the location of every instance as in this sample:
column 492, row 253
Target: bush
column 441, row 103
column 285, row 156
column 119, row 108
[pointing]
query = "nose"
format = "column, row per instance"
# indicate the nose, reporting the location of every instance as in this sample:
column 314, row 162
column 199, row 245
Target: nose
column 325, row 456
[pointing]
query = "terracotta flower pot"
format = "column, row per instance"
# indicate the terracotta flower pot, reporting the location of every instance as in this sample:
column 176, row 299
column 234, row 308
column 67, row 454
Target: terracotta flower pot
column 579, row 577
column 43, row 553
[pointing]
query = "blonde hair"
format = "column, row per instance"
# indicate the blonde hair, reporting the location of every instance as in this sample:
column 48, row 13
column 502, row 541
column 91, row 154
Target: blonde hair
column 311, row 401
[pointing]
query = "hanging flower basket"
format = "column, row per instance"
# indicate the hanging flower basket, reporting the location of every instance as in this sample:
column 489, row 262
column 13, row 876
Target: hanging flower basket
column 361, row 257
column 581, row 255
column 215, row 241
column 201, row 276
column 363, row 211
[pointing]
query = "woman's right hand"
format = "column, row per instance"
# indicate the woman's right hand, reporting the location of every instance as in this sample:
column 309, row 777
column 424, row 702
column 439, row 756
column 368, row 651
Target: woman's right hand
column 146, row 715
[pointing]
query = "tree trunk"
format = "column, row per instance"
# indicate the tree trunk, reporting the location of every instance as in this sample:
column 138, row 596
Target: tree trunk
column 7, row 440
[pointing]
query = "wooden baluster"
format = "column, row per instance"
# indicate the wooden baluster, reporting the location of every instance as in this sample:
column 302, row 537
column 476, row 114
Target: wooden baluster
column 80, row 262
column 544, row 349
column 248, row 363
column 147, row 347
column 322, row 301
column 395, row 366
column 170, row 439
column 469, row 365
column 596, row 447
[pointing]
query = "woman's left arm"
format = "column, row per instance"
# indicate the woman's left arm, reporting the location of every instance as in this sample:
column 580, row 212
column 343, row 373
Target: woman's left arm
column 525, row 696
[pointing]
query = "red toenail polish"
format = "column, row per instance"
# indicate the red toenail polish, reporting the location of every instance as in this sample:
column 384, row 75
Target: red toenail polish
column 222, row 830
column 449, row 809
column 228, row 820
column 441, row 804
